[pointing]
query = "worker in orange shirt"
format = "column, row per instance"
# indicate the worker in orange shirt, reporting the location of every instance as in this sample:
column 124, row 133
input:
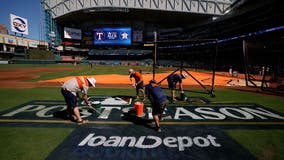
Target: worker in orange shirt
column 70, row 91
column 139, row 84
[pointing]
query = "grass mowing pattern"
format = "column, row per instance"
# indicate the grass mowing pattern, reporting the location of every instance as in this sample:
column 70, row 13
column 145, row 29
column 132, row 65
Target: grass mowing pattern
column 264, row 144
column 30, row 143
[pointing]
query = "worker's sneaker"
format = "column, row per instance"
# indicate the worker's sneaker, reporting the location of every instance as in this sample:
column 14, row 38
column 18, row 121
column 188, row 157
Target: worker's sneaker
column 158, row 129
column 82, row 122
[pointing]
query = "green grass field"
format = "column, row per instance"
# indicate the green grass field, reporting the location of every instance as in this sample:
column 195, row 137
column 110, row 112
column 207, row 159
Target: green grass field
column 25, row 143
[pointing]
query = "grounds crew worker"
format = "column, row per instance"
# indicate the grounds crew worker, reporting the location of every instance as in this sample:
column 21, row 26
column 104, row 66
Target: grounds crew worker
column 70, row 91
column 172, row 82
column 158, row 101
column 139, row 84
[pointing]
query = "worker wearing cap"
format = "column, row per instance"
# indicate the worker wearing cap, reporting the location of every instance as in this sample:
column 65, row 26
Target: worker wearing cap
column 173, row 79
column 70, row 91
column 139, row 84
column 158, row 101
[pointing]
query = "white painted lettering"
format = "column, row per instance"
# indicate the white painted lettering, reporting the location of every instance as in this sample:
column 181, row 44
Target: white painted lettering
column 201, row 141
column 85, row 113
column 140, row 141
column 170, row 142
column 84, row 141
column 210, row 111
column 213, row 141
column 125, row 139
column 45, row 113
column 227, row 112
column 180, row 111
column 145, row 142
column 260, row 111
column 27, row 108
column 97, row 141
column 106, row 112
column 113, row 141
column 184, row 142
column 149, row 110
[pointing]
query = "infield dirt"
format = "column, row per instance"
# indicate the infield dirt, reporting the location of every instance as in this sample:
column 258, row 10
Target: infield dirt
column 19, row 78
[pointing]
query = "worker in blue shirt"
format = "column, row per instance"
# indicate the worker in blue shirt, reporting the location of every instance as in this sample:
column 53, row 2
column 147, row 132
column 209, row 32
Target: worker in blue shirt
column 172, row 82
column 158, row 101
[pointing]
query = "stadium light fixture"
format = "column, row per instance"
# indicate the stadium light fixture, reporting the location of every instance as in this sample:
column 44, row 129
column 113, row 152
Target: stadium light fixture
column 227, row 11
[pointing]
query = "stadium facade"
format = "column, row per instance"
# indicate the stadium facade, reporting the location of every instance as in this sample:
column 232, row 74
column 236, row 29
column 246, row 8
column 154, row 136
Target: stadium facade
column 241, row 34
column 169, row 18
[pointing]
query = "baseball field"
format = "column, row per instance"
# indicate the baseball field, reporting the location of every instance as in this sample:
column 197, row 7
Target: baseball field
column 259, row 130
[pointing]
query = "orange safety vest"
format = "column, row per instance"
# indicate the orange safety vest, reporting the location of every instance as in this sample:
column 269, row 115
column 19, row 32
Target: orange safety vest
column 137, row 76
column 82, row 81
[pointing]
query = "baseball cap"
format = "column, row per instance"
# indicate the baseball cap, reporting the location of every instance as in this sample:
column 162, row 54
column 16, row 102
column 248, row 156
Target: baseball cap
column 92, row 81
column 131, row 70
column 153, row 81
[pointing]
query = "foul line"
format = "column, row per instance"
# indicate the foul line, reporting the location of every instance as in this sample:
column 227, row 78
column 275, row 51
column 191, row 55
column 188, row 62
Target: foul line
column 126, row 122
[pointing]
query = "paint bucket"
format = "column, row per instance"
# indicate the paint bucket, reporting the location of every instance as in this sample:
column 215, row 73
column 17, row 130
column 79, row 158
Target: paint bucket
column 183, row 96
column 139, row 108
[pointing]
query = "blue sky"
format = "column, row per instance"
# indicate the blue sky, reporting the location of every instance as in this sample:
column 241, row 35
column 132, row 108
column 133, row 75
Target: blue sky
column 29, row 9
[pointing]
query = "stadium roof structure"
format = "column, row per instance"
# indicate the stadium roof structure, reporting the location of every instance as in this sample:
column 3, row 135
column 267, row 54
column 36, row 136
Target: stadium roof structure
column 63, row 7
column 246, row 17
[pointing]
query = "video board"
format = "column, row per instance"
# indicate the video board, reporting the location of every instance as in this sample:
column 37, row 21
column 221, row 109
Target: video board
column 112, row 36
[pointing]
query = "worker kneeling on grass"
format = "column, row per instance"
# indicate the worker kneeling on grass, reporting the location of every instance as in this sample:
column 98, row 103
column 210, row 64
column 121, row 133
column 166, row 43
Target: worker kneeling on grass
column 173, row 79
column 158, row 101
column 70, row 91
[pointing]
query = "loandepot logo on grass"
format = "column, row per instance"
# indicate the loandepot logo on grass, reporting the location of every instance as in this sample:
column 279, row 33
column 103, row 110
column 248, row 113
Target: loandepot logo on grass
column 180, row 143
column 135, row 142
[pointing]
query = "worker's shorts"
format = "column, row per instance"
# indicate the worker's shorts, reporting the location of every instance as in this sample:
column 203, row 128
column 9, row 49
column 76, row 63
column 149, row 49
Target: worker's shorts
column 171, row 84
column 158, row 108
column 140, row 85
column 70, row 99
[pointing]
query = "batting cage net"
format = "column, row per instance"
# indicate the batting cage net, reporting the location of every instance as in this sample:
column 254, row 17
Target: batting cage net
column 264, row 64
column 185, row 56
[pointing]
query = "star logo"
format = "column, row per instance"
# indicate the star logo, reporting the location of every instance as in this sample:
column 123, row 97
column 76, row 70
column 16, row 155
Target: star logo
column 124, row 35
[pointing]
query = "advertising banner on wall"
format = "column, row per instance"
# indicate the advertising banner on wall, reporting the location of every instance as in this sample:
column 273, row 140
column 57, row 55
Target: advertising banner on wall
column 33, row 44
column 22, row 42
column 19, row 24
column 72, row 33
column 1, row 39
column 10, row 40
